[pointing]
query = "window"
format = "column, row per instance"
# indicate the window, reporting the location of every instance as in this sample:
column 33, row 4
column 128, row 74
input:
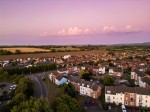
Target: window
column 146, row 101
column 113, row 98
column 126, row 98
column 126, row 103
column 131, row 99
column 132, row 95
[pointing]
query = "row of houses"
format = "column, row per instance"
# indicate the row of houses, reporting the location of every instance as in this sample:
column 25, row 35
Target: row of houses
column 141, row 79
column 128, row 96
column 131, row 96
column 84, row 88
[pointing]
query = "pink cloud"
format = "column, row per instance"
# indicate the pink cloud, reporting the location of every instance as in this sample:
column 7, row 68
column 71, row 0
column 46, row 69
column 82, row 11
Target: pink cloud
column 74, row 31
column 44, row 34
column 128, row 27
column 109, row 28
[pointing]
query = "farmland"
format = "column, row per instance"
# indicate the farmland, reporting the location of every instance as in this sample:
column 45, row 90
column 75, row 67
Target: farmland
column 50, row 54
column 65, row 49
column 25, row 49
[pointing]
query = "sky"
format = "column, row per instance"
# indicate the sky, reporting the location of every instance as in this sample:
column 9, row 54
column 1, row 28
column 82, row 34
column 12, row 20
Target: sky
column 56, row 22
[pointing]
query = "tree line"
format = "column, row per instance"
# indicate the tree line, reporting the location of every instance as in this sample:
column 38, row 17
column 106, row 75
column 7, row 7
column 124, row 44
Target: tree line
column 32, row 69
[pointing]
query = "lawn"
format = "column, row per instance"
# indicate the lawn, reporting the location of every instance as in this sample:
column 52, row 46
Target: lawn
column 53, row 91
column 25, row 49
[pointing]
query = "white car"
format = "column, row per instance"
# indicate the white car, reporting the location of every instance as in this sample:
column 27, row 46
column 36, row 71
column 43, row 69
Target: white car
column 13, row 86
column 123, row 108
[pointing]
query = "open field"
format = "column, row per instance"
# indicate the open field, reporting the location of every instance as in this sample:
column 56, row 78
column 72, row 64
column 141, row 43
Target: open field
column 66, row 48
column 25, row 49
column 39, row 55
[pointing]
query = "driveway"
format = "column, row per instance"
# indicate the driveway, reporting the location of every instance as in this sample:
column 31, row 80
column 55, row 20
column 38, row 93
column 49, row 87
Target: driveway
column 6, row 88
column 90, row 108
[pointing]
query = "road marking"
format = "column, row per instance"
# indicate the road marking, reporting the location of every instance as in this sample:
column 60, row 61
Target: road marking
column 40, row 85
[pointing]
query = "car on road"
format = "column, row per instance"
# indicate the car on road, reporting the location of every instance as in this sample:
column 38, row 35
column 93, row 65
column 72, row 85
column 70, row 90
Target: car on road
column 43, row 78
column 13, row 87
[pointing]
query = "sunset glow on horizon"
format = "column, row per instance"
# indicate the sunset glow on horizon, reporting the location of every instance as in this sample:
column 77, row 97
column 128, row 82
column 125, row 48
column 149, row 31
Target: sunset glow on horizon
column 36, row 22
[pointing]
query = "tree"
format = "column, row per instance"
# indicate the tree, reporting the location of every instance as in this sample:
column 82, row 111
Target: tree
column 17, row 51
column 66, row 104
column 108, row 80
column 86, row 76
column 131, row 81
column 17, row 99
column 32, row 105
column 25, row 86
column 81, row 72
column 70, row 90
column 3, row 76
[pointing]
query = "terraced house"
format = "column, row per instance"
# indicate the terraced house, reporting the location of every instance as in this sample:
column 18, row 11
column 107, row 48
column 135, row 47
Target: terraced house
column 141, row 79
column 85, row 88
column 129, row 96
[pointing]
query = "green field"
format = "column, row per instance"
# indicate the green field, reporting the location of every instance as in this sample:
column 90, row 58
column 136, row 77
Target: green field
column 65, row 49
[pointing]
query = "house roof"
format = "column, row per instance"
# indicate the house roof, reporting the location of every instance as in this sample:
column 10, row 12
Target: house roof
column 118, row 70
column 139, row 73
column 123, row 89
column 63, row 69
column 95, row 87
column 59, row 76
column 54, row 72
column 146, row 80
column 74, row 79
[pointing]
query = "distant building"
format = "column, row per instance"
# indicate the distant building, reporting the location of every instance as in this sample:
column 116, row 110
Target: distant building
column 67, row 56
column 116, row 71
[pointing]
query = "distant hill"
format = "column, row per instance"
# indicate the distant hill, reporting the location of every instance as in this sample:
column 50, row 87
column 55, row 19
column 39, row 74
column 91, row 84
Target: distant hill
column 138, row 44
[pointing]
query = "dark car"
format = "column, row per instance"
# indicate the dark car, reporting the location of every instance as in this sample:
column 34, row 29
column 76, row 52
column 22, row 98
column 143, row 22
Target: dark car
column 93, row 102
column 43, row 78
column 87, row 103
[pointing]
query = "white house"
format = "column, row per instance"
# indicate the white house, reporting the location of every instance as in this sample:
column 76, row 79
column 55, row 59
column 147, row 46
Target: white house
column 102, row 70
column 85, row 88
column 67, row 56
column 137, row 76
column 111, row 71
column 63, row 71
column 57, row 78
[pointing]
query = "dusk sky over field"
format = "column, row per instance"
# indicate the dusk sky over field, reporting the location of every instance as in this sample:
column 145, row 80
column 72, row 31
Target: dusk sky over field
column 38, row 22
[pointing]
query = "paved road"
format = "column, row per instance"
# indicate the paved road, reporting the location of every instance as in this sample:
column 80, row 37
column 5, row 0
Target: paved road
column 39, row 85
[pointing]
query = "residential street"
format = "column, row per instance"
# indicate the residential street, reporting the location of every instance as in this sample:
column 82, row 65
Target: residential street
column 40, row 87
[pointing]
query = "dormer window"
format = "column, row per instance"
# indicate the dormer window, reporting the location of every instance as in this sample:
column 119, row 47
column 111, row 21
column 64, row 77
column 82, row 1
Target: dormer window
column 108, row 91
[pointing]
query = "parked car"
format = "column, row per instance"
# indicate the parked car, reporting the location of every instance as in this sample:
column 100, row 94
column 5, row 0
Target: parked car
column 87, row 103
column 123, row 108
column 13, row 86
column 43, row 78
column 93, row 102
